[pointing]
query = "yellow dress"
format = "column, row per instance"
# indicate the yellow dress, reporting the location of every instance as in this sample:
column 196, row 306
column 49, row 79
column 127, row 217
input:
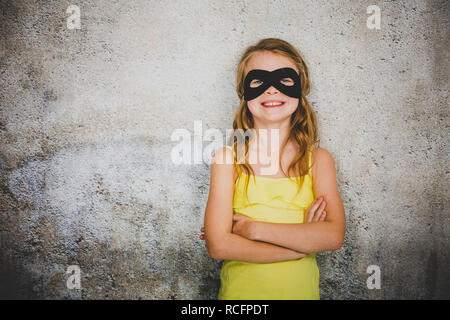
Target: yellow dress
column 271, row 200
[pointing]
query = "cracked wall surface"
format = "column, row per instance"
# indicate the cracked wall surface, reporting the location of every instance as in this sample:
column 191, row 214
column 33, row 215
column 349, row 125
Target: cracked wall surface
column 86, row 118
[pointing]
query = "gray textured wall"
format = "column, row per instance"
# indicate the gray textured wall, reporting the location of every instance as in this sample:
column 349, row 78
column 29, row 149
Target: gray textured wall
column 87, row 114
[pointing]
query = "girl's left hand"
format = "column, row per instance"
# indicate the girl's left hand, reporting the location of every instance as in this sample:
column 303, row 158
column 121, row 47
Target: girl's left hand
column 243, row 226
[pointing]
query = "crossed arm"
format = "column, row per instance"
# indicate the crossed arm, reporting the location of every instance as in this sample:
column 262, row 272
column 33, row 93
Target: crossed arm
column 270, row 242
column 316, row 236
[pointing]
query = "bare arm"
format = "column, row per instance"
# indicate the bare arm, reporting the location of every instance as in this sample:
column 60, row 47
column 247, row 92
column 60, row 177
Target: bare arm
column 222, row 244
column 315, row 236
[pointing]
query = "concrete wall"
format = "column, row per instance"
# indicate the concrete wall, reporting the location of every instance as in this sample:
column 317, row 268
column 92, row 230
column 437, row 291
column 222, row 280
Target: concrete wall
column 87, row 115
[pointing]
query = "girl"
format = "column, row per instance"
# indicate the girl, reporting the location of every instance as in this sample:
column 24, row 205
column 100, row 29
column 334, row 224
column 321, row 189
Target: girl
column 268, row 227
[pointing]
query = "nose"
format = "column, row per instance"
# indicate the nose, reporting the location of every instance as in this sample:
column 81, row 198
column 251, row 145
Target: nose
column 272, row 90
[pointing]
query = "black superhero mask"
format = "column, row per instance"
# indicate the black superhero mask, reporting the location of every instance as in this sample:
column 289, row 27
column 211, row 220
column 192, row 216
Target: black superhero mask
column 272, row 78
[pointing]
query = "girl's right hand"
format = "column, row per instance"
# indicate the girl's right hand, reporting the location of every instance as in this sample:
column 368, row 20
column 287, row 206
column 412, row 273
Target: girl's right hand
column 315, row 211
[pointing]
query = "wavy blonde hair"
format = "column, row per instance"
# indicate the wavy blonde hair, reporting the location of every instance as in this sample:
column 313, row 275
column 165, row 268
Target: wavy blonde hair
column 303, row 126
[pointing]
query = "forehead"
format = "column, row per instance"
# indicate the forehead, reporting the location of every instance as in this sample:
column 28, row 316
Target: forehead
column 266, row 60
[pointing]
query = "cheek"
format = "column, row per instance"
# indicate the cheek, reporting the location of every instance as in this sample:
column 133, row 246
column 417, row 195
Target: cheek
column 254, row 106
column 292, row 101
column 292, row 104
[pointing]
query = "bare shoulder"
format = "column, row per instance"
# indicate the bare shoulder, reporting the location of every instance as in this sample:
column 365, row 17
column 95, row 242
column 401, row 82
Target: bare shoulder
column 222, row 164
column 322, row 160
column 223, row 155
column 322, row 154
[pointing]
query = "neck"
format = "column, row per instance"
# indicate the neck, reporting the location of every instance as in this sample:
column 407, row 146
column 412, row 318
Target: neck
column 272, row 136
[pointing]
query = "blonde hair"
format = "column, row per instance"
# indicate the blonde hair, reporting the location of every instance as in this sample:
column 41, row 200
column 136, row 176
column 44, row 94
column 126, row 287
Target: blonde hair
column 303, row 125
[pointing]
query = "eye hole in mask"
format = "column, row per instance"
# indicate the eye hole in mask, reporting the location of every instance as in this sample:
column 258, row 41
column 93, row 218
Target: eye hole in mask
column 286, row 81
column 258, row 81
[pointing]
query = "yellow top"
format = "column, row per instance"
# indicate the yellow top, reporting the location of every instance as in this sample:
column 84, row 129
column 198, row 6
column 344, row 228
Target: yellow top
column 271, row 200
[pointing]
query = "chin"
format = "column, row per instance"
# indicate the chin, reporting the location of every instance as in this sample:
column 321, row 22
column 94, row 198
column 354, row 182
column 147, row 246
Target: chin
column 268, row 118
column 283, row 111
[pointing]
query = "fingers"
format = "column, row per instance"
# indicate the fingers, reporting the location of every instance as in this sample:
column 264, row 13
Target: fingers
column 316, row 204
column 311, row 210
column 318, row 213
column 315, row 211
column 202, row 236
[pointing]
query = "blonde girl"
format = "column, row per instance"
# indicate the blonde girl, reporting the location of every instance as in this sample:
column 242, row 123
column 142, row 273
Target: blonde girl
column 265, row 224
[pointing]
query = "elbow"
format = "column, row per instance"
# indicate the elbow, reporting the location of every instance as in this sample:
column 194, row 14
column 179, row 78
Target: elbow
column 214, row 254
column 338, row 242
column 338, row 245
column 214, row 251
column 217, row 247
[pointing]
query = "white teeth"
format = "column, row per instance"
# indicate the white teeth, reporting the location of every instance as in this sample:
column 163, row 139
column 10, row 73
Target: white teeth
column 272, row 104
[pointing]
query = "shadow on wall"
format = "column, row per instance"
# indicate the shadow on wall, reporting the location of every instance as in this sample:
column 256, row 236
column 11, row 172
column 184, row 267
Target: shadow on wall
column 15, row 282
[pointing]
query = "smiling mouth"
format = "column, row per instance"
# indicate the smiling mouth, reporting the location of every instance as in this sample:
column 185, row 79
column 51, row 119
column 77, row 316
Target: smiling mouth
column 272, row 104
